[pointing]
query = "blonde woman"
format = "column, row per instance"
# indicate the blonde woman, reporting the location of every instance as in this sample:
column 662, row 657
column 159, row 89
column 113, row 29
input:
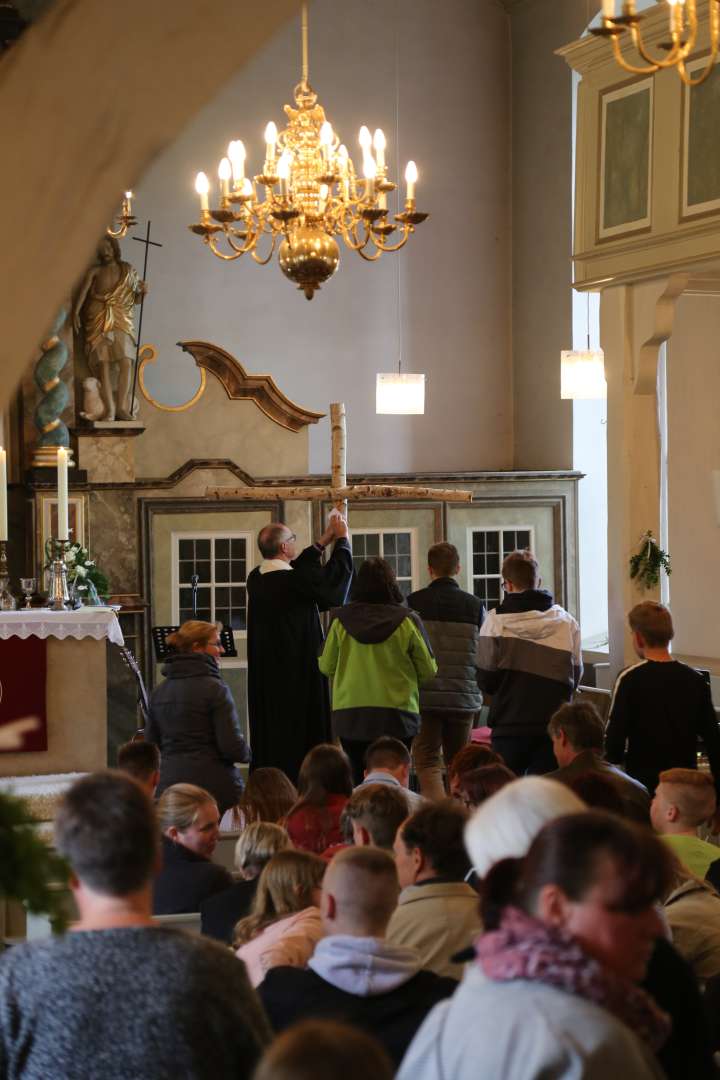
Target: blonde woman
column 193, row 719
column 253, row 851
column 189, row 820
column 284, row 926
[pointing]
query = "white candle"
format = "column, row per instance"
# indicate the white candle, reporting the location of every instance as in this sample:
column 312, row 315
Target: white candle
column 62, row 493
column 3, row 495
column 379, row 146
column 202, row 186
column 608, row 9
column 411, row 175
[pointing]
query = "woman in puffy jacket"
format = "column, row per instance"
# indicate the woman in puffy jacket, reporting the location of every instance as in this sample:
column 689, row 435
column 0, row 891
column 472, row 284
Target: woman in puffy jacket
column 378, row 655
column 193, row 719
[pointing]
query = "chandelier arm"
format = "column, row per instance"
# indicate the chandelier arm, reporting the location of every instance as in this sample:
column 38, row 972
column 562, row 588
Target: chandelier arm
column 678, row 51
column 393, row 247
column 241, row 249
column 704, row 74
column 352, row 240
column 264, row 261
column 122, row 231
column 210, row 241
column 626, row 65
column 304, row 33
column 370, row 258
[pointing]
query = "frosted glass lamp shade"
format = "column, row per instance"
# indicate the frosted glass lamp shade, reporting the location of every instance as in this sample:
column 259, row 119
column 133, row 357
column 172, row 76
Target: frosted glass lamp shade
column 400, row 394
column 582, row 374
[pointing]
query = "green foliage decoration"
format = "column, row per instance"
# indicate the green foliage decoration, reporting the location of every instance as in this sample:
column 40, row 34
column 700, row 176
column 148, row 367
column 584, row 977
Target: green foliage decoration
column 90, row 583
column 648, row 562
column 28, row 865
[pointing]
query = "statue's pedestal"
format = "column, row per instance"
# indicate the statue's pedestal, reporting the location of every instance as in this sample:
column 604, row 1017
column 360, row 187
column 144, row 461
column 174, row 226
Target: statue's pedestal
column 105, row 450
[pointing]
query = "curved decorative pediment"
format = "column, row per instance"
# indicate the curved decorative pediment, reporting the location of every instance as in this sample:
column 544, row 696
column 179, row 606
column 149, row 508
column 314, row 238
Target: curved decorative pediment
column 240, row 386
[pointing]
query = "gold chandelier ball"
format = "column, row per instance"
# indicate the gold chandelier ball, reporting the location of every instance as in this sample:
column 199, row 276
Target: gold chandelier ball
column 309, row 256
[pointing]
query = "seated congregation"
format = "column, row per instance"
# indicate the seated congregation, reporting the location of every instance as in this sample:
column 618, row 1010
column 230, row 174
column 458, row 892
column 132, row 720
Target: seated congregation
column 544, row 906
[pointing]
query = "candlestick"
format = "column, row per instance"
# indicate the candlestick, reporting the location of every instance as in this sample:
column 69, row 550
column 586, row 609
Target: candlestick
column 62, row 493
column 3, row 495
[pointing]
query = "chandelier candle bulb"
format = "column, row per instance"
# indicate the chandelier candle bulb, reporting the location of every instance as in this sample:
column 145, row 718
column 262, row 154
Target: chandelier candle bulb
column 236, row 154
column 271, row 134
column 379, row 145
column 365, row 139
column 224, row 173
column 3, row 496
column 202, row 186
column 247, row 188
column 608, row 9
column 411, row 175
column 62, row 494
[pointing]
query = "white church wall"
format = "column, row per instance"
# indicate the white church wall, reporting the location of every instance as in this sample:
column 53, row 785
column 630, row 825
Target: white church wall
column 436, row 79
column 693, row 391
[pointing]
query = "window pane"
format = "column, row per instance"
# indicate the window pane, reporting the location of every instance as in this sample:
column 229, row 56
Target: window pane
column 204, row 614
column 185, row 614
column 202, row 549
column 358, row 544
column 492, row 541
column 492, row 564
column 403, row 566
column 523, row 539
column 389, row 544
column 237, row 620
column 222, row 549
column 372, row 544
column 403, row 543
column 222, row 615
column 185, row 596
column 202, row 569
column 237, row 598
column 222, row 598
column 222, row 570
column 237, row 570
column 478, row 541
column 185, row 571
column 478, row 564
column 405, row 587
column 203, row 600
column 238, row 548
column 186, row 549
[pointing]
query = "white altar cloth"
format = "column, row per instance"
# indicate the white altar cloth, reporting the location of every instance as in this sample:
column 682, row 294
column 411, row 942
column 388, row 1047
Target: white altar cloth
column 96, row 623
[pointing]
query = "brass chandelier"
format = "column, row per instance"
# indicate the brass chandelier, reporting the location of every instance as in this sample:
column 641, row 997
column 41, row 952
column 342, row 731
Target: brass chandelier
column 683, row 30
column 312, row 193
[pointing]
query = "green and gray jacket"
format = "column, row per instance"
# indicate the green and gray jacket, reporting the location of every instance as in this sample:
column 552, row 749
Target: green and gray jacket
column 452, row 619
column 378, row 655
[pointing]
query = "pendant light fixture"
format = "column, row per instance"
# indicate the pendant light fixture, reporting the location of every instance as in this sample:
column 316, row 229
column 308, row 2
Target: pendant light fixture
column 582, row 371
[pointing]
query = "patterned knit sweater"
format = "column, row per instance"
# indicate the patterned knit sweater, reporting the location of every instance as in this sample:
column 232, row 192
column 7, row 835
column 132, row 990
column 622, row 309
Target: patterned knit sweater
column 127, row 1004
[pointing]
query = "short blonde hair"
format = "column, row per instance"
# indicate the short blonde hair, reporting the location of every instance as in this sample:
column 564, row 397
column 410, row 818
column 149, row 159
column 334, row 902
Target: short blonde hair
column 193, row 632
column 691, row 792
column 179, row 806
column 258, row 843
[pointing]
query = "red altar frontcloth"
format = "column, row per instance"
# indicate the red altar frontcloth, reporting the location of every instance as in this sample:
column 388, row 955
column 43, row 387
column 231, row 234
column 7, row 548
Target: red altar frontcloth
column 23, row 674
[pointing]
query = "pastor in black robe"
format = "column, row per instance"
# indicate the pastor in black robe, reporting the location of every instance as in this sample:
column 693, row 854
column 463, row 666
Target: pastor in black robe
column 288, row 698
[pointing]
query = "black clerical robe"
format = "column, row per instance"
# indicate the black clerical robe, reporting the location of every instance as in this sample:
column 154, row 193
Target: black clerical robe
column 288, row 698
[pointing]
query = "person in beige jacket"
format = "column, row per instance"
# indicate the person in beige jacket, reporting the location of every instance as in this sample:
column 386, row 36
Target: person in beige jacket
column 437, row 912
column 692, row 911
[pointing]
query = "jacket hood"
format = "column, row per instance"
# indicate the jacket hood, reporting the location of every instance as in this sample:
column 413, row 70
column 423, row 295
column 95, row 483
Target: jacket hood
column 370, row 624
column 530, row 621
column 364, row 966
column 529, row 600
column 190, row 665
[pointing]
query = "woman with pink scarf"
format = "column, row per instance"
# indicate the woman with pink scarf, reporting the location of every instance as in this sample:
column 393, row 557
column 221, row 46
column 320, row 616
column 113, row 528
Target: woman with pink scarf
column 569, row 932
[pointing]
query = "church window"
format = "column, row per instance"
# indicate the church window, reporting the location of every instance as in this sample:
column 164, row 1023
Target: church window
column 220, row 561
column 396, row 547
column 488, row 548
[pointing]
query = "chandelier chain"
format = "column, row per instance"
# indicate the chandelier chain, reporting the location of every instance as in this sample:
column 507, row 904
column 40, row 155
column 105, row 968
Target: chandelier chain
column 304, row 32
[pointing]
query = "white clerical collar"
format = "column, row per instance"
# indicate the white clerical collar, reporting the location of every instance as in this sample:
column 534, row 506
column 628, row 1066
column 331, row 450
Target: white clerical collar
column 268, row 565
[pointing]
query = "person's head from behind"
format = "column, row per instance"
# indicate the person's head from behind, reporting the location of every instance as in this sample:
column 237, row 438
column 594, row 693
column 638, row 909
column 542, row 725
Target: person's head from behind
column 507, row 823
column 195, row 636
column 290, row 882
column 597, row 791
column 476, row 786
column 359, row 892
column 324, row 1050
column 575, row 728
column 520, row 572
column 189, row 816
column 268, row 796
column 443, row 561
column 651, row 626
column 472, row 756
column 595, row 877
column 391, row 756
column 106, row 828
column 276, row 541
column 141, row 760
column 429, row 844
column 375, row 812
column 374, row 583
column 684, row 800
column 256, row 846
column 325, row 771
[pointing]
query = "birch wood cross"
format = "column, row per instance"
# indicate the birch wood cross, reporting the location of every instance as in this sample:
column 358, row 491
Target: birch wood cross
column 339, row 491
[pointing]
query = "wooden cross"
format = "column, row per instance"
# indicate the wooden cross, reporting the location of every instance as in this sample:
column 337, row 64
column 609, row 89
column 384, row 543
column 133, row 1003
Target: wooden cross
column 339, row 492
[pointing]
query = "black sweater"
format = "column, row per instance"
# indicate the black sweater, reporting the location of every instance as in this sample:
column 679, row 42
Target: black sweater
column 290, row 994
column 186, row 879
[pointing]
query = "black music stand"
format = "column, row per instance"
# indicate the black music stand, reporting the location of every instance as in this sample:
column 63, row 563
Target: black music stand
column 162, row 650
